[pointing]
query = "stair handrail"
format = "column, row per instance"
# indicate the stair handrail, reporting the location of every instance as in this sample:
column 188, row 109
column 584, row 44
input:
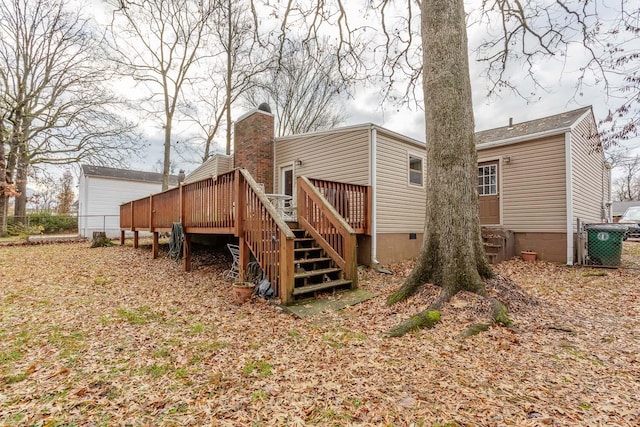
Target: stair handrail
column 276, row 261
column 344, row 257
column 265, row 201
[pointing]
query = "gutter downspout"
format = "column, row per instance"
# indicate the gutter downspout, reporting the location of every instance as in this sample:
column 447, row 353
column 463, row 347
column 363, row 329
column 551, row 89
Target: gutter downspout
column 569, row 198
column 609, row 212
column 375, row 264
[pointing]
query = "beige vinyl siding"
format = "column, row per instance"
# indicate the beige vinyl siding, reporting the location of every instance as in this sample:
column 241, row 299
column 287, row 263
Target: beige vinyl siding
column 215, row 165
column 533, row 184
column 341, row 155
column 400, row 206
column 590, row 178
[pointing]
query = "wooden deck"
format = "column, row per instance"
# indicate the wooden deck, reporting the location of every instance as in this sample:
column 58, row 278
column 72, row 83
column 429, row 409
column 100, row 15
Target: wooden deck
column 330, row 214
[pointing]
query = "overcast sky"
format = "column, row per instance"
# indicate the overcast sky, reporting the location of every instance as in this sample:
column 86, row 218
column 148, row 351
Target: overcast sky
column 557, row 77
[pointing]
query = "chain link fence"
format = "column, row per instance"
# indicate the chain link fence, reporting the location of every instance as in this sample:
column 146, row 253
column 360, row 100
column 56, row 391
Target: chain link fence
column 601, row 244
column 56, row 224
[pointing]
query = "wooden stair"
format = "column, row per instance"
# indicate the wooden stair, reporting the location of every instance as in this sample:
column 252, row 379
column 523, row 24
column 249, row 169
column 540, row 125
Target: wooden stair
column 314, row 271
column 498, row 244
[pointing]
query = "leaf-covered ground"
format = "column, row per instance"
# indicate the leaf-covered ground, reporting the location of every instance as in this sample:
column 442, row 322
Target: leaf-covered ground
column 109, row 336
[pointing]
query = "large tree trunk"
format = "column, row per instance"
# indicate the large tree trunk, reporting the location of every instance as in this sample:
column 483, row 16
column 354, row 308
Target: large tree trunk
column 452, row 254
column 4, row 196
column 229, row 85
column 22, row 172
column 166, row 165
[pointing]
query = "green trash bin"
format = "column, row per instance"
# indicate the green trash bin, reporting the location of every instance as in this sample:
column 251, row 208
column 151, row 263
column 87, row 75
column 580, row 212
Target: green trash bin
column 604, row 243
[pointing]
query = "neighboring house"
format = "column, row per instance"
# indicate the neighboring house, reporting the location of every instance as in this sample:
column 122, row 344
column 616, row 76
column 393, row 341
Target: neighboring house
column 535, row 178
column 619, row 208
column 103, row 189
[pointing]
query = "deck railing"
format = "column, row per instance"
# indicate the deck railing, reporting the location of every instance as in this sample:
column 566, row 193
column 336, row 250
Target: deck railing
column 267, row 235
column 351, row 201
column 207, row 205
column 125, row 215
column 165, row 209
column 323, row 222
column 233, row 203
column 142, row 213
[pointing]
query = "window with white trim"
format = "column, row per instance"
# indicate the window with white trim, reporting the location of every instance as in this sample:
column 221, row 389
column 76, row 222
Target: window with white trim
column 416, row 170
column 487, row 180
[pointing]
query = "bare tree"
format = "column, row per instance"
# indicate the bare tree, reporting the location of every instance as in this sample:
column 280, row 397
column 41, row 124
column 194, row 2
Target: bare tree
column 65, row 193
column 6, row 188
column 54, row 105
column 605, row 32
column 236, row 60
column 452, row 255
column 160, row 43
column 304, row 89
column 627, row 186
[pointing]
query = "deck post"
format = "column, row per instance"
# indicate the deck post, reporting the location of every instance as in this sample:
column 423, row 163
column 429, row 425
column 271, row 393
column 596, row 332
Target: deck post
column 135, row 239
column 121, row 237
column 351, row 259
column 286, row 269
column 151, row 212
column 154, row 249
column 182, row 204
column 240, row 202
column 245, row 255
column 186, row 252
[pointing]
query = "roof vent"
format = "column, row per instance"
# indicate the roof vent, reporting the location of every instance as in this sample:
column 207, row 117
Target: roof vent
column 264, row 107
column 510, row 122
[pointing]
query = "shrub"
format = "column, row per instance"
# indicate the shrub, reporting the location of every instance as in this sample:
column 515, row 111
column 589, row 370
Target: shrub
column 42, row 222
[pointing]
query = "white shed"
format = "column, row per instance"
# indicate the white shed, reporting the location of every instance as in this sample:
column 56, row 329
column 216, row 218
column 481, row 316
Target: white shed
column 102, row 190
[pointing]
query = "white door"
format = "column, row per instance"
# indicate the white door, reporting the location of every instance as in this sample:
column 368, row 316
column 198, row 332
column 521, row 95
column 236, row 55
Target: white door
column 286, row 181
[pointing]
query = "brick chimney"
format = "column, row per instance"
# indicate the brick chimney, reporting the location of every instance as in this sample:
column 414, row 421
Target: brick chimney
column 253, row 138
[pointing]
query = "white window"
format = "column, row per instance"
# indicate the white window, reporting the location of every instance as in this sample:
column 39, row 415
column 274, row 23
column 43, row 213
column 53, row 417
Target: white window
column 487, row 180
column 415, row 170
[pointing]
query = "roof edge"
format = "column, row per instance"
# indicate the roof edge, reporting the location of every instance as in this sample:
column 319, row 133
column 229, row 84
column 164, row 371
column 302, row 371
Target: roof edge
column 522, row 138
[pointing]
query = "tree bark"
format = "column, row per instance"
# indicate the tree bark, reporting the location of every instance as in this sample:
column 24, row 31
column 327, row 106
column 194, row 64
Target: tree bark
column 4, row 196
column 452, row 254
column 229, row 76
column 22, row 172
column 166, row 165
column 100, row 239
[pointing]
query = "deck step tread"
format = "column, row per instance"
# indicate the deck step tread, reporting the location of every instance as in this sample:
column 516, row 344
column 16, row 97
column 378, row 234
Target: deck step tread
column 315, row 248
column 492, row 245
column 315, row 272
column 310, row 260
column 305, row 239
column 320, row 286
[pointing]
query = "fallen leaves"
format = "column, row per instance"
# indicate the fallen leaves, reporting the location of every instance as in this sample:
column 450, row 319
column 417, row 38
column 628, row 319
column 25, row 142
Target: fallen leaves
column 110, row 336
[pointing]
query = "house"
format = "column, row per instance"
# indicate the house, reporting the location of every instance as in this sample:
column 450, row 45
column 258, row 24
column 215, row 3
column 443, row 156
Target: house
column 539, row 177
column 619, row 208
column 360, row 196
column 103, row 189
column 536, row 178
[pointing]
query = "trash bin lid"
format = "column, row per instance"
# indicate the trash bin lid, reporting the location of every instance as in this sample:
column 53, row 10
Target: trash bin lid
column 612, row 228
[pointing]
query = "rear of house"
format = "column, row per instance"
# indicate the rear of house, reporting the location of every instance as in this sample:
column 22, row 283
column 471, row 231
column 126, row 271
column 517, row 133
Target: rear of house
column 391, row 164
column 537, row 178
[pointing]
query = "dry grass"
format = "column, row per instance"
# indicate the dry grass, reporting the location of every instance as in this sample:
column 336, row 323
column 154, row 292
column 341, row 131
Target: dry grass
column 108, row 336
